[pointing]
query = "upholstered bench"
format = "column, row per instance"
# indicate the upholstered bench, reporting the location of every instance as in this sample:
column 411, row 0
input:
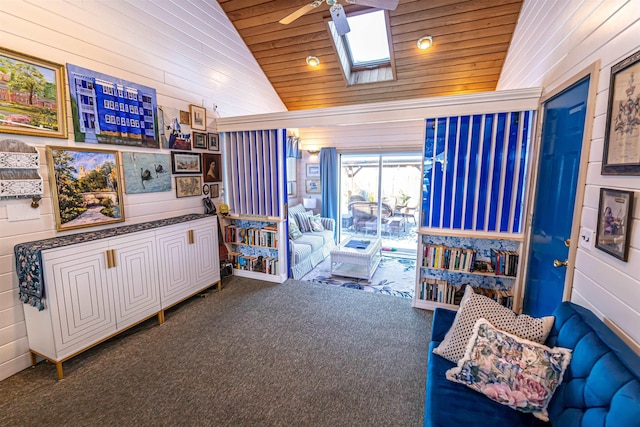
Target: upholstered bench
column 600, row 387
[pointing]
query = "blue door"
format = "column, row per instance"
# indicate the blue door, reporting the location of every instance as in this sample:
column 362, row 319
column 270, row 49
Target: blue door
column 559, row 162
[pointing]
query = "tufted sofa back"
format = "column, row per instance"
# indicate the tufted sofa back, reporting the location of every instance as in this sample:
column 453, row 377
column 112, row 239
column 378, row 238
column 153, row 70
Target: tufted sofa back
column 601, row 386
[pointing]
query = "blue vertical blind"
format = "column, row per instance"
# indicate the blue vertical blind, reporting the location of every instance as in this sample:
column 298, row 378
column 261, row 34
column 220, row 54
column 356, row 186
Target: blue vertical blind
column 475, row 170
column 254, row 161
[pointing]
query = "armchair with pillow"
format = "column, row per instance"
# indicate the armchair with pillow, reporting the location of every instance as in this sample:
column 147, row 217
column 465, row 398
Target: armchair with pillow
column 488, row 366
column 311, row 239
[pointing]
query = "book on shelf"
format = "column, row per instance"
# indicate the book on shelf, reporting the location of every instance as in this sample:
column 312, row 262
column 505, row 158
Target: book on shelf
column 440, row 291
column 266, row 237
column 446, row 258
column 505, row 263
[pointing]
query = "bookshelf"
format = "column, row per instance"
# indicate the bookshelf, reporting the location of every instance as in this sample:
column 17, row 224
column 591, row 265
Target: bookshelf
column 449, row 259
column 257, row 246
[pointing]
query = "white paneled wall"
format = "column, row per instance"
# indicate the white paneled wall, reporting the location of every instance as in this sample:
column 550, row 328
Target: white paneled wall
column 554, row 40
column 187, row 50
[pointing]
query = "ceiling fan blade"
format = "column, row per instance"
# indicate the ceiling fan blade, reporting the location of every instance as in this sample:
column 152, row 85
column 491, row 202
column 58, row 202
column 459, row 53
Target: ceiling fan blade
column 379, row 4
column 339, row 19
column 298, row 13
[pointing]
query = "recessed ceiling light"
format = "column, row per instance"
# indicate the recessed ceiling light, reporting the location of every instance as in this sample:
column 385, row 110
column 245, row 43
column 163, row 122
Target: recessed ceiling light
column 312, row 60
column 425, row 42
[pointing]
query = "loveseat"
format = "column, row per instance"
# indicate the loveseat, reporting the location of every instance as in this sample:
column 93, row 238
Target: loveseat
column 600, row 387
column 309, row 248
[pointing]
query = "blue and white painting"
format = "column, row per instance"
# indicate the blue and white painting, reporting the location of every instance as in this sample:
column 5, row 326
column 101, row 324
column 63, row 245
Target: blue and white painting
column 146, row 173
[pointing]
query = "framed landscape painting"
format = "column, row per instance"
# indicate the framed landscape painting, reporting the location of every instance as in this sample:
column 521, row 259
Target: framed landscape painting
column 185, row 163
column 146, row 172
column 86, row 187
column 36, row 105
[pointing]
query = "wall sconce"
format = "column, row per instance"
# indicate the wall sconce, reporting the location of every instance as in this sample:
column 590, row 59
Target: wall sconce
column 309, row 203
column 313, row 60
column 313, row 151
column 425, row 42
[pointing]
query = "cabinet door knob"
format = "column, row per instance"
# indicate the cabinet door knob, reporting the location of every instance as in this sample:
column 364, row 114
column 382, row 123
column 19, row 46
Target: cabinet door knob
column 567, row 243
column 558, row 263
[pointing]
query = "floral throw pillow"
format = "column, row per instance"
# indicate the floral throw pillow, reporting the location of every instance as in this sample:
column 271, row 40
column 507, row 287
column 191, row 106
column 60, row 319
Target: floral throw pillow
column 294, row 231
column 316, row 223
column 511, row 370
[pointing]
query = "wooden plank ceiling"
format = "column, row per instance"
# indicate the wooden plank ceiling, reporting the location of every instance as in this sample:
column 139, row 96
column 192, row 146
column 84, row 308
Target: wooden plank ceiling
column 471, row 39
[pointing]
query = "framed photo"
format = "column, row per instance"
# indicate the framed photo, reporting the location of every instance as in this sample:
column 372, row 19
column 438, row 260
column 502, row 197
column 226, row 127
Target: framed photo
column 313, row 170
column 110, row 110
column 622, row 132
column 188, row 186
column 184, row 117
column 312, row 186
column 205, row 189
column 146, row 172
column 86, row 187
column 214, row 141
column 185, row 162
column 37, row 104
column 199, row 140
column 212, row 167
column 291, row 188
column 614, row 222
column 215, row 190
column 198, row 117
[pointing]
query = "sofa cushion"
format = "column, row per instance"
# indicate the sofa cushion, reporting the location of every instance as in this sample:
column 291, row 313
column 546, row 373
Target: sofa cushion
column 304, row 221
column 294, row 231
column 602, row 384
column 315, row 240
column 297, row 209
column 452, row 404
column 473, row 307
column 510, row 370
column 316, row 223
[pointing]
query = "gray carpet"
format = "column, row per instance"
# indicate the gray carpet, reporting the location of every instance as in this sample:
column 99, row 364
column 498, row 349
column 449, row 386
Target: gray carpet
column 257, row 353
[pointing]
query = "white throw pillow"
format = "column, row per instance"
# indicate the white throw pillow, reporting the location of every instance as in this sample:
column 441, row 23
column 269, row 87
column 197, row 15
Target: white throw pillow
column 473, row 307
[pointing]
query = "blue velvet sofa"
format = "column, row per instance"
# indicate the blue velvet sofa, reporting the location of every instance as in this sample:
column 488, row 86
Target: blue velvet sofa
column 601, row 386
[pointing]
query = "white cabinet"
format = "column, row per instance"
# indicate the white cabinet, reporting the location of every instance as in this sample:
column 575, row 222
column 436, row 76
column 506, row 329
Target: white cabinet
column 95, row 289
column 188, row 259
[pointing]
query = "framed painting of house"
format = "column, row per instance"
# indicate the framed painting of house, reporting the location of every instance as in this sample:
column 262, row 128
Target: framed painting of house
column 32, row 93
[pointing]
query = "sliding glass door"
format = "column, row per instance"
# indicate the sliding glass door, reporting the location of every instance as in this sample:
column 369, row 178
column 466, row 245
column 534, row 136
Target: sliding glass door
column 379, row 196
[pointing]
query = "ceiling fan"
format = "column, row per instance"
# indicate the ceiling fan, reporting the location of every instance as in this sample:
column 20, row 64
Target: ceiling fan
column 337, row 11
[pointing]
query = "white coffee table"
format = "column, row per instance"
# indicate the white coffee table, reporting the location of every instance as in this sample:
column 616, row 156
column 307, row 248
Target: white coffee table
column 357, row 258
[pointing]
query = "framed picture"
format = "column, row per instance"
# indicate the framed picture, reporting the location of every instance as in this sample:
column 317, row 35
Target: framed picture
column 199, row 140
column 205, row 189
column 312, row 186
column 188, row 186
column 214, row 141
column 622, row 132
column 614, row 222
column 185, row 162
column 215, row 190
column 146, row 172
column 85, row 185
column 198, row 117
column 184, row 117
column 171, row 132
column 37, row 103
column 291, row 188
column 313, row 170
column 110, row 110
column 212, row 167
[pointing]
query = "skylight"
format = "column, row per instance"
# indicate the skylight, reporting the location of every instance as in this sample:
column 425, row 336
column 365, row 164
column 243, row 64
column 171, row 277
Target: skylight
column 368, row 41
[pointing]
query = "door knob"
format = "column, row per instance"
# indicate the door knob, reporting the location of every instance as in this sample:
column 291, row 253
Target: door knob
column 558, row 263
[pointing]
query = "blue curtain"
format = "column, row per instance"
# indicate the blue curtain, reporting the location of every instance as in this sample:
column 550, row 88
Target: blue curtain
column 329, row 183
column 293, row 147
